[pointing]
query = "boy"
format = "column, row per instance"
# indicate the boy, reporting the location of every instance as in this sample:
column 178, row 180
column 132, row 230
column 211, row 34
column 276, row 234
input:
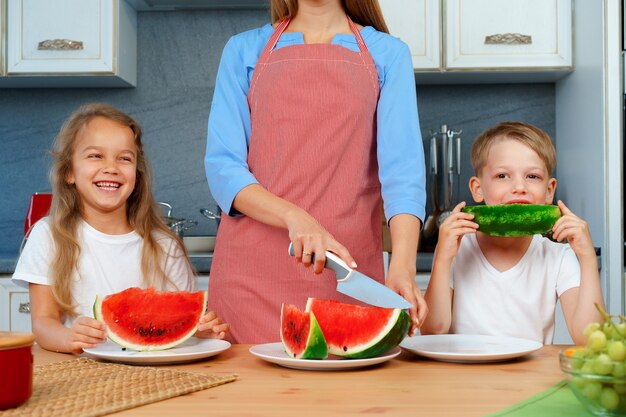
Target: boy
column 509, row 286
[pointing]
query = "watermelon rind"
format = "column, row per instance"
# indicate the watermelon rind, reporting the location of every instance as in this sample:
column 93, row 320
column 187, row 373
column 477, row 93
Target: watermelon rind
column 388, row 338
column 316, row 347
column 514, row 220
column 120, row 340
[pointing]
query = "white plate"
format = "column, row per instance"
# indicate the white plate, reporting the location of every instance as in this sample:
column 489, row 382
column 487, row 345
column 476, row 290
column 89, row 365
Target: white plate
column 190, row 350
column 469, row 348
column 274, row 353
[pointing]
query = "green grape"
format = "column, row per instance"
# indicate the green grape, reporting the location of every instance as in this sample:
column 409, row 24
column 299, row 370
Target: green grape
column 609, row 398
column 619, row 388
column 588, row 367
column 602, row 365
column 596, row 341
column 616, row 350
column 619, row 331
column 578, row 381
column 619, row 370
column 607, row 329
column 592, row 390
column 590, row 328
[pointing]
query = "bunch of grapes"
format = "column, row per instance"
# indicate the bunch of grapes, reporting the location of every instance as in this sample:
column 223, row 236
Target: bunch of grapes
column 599, row 368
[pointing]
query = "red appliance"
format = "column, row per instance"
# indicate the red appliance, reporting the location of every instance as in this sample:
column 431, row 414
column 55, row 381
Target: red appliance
column 39, row 207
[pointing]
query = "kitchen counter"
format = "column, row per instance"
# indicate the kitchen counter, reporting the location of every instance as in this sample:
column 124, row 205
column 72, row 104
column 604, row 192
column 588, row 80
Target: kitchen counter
column 406, row 385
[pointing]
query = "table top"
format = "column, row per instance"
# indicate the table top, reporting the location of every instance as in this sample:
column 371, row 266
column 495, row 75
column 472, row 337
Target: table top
column 406, row 385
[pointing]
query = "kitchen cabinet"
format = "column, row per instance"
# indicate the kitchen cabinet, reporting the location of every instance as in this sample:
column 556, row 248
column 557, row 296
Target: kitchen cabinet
column 512, row 40
column 2, row 37
column 70, row 43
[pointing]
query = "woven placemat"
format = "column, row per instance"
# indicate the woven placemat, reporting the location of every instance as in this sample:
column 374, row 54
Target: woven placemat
column 85, row 387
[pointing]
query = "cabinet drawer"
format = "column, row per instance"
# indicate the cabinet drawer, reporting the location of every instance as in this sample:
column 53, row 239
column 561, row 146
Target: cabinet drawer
column 508, row 34
column 61, row 36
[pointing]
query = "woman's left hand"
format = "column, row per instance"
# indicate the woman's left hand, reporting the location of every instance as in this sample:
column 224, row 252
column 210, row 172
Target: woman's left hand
column 211, row 327
column 404, row 284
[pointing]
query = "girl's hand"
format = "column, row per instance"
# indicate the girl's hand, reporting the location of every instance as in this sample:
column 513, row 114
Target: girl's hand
column 575, row 230
column 310, row 238
column 211, row 327
column 85, row 333
column 452, row 230
column 405, row 285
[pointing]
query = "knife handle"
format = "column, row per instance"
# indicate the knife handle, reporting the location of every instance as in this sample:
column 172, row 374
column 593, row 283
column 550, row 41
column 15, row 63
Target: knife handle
column 342, row 270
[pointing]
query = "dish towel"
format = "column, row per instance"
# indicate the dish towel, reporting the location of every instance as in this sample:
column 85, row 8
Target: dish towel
column 556, row 401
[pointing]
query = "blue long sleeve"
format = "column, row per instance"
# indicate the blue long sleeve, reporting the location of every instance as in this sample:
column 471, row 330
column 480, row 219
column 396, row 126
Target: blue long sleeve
column 399, row 141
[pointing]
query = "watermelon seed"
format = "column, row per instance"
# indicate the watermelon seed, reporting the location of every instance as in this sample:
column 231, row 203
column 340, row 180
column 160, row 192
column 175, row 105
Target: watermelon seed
column 345, row 348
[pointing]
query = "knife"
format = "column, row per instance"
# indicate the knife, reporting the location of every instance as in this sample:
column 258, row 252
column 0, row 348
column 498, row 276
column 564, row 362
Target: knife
column 357, row 285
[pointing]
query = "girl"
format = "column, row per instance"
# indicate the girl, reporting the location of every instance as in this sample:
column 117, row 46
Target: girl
column 310, row 118
column 103, row 234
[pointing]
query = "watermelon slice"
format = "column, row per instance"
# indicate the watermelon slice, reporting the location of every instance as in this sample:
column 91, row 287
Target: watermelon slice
column 147, row 319
column 301, row 334
column 359, row 332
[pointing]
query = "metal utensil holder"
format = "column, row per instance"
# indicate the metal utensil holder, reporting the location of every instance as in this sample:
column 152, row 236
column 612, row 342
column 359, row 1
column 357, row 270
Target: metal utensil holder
column 445, row 169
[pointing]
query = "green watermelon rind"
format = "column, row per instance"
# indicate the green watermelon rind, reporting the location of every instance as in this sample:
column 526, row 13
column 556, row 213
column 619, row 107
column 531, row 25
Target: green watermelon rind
column 514, row 220
column 316, row 346
column 97, row 313
column 388, row 338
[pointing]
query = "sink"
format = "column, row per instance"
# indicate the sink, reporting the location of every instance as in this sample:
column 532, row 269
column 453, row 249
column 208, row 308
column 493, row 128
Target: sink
column 199, row 245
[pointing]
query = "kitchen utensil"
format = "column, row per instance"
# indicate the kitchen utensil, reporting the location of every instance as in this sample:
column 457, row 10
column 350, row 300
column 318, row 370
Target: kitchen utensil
column 178, row 226
column 16, row 363
column 357, row 285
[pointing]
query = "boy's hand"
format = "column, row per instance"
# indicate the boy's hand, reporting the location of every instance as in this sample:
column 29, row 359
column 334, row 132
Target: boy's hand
column 85, row 333
column 575, row 230
column 211, row 327
column 452, row 230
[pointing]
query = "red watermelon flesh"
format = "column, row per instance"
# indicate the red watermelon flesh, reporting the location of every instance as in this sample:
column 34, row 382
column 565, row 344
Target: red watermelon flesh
column 359, row 332
column 301, row 334
column 147, row 319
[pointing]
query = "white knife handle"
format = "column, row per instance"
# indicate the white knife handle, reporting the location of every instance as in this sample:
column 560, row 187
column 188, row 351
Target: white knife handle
column 342, row 270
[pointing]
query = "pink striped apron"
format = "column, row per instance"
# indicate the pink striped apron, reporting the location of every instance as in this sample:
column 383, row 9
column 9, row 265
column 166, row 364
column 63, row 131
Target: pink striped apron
column 313, row 142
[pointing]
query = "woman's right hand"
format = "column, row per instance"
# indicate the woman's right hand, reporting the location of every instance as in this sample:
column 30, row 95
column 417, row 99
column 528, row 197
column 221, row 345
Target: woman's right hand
column 311, row 238
column 85, row 333
column 452, row 230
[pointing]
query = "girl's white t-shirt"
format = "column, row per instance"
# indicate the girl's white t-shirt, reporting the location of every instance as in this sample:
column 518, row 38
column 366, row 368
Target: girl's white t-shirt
column 520, row 302
column 107, row 264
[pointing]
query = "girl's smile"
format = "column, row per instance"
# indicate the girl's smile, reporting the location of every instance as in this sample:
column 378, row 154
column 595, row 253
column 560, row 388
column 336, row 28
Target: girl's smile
column 104, row 165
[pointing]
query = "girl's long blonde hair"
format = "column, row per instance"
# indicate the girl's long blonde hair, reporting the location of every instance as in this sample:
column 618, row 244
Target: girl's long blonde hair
column 363, row 12
column 65, row 213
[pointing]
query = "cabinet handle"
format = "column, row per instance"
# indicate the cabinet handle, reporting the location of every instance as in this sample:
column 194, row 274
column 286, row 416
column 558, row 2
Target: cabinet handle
column 59, row 45
column 24, row 308
column 508, row 39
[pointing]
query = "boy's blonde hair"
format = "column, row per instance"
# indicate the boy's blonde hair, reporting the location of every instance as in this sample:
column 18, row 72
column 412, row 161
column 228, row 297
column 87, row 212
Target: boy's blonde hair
column 142, row 211
column 533, row 137
column 363, row 12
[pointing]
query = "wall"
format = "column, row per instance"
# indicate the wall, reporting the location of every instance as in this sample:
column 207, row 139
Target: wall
column 178, row 56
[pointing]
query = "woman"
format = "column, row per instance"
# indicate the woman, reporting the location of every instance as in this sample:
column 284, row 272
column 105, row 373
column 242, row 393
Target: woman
column 309, row 117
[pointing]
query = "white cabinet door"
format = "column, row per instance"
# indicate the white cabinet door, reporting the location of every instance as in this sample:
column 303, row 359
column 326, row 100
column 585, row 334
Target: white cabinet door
column 14, row 307
column 418, row 24
column 511, row 34
column 94, row 38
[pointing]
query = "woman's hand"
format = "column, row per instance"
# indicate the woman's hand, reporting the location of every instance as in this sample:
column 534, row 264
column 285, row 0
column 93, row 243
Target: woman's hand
column 575, row 230
column 405, row 285
column 85, row 333
column 310, row 240
column 452, row 230
column 212, row 327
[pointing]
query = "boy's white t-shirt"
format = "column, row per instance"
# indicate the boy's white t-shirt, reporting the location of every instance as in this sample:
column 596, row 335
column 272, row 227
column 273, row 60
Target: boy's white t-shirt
column 520, row 302
column 107, row 264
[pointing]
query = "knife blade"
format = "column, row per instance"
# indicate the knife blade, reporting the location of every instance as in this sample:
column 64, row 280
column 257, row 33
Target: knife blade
column 359, row 286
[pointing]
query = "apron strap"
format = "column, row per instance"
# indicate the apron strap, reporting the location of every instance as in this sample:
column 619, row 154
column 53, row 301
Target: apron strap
column 269, row 46
column 271, row 43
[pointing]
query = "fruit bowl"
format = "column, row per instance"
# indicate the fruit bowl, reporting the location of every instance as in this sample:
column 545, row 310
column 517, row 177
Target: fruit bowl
column 598, row 382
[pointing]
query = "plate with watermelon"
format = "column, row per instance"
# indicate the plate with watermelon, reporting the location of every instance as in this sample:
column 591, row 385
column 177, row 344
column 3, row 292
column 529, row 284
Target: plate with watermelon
column 147, row 326
column 330, row 335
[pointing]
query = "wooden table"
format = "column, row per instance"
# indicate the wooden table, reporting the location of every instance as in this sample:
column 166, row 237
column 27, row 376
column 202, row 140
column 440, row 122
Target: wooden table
column 405, row 386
